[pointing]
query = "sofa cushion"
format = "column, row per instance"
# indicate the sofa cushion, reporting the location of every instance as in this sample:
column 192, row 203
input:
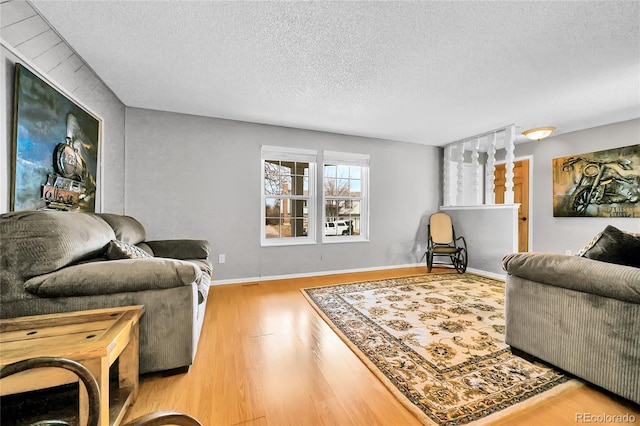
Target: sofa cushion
column 181, row 249
column 115, row 276
column 605, row 279
column 126, row 228
column 205, row 282
column 38, row 242
column 121, row 250
column 204, row 265
column 614, row 246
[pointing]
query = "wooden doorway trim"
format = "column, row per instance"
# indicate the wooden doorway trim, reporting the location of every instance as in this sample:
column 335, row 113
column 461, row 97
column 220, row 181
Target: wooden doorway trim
column 524, row 216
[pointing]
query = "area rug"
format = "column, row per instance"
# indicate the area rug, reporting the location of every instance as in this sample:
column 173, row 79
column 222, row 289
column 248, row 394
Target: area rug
column 437, row 342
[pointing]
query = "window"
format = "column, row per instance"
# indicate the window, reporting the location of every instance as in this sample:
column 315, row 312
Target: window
column 345, row 197
column 288, row 196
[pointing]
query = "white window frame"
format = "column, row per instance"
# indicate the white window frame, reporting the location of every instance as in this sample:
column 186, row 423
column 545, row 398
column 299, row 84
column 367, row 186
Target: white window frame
column 350, row 159
column 298, row 155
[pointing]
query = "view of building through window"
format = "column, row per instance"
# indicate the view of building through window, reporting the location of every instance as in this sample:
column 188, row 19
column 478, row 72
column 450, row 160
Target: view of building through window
column 342, row 186
column 286, row 189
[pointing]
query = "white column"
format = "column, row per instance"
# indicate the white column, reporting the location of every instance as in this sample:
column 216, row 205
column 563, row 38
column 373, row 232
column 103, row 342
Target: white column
column 509, row 144
column 460, row 194
column 475, row 154
column 489, row 179
column 446, row 175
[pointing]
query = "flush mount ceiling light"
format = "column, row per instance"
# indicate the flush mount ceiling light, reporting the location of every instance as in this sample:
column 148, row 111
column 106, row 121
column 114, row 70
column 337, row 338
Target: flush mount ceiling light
column 538, row 133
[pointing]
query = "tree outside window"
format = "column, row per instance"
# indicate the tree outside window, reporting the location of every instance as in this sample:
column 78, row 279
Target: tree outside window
column 345, row 195
column 287, row 194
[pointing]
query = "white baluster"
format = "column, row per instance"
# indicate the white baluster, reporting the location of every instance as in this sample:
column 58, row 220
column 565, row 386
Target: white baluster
column 490, row 185
column 509, row 144
column 460, row 195
column 475, row 154
column 446, row 176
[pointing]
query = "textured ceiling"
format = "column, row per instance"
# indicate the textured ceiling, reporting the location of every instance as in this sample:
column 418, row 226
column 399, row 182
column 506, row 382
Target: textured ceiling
column 423, row 72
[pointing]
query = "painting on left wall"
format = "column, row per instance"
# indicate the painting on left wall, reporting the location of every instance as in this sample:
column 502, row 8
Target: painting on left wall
column 55, row 148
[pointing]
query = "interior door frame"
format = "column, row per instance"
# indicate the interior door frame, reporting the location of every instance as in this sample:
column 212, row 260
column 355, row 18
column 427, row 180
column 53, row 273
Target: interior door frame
column 529, row 215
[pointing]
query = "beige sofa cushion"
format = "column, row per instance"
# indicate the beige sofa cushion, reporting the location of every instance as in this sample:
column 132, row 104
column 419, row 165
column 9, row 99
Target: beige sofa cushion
column 38, row 242
column 126, row 228
column 114, row 276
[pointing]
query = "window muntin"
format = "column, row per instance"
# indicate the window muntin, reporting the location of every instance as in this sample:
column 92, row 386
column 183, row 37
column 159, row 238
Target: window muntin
column 345, row 197
column 288, row 196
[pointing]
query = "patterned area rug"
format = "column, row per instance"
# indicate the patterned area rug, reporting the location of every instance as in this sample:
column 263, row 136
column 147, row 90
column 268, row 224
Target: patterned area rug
column 437, row 342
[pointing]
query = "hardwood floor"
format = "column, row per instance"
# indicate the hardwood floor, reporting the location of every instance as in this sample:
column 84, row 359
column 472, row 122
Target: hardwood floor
column 267, row 358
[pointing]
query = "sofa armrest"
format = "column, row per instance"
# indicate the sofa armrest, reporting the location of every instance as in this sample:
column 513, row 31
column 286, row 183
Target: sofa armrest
column 114, row 276
column 180, row 249
column 577, row 273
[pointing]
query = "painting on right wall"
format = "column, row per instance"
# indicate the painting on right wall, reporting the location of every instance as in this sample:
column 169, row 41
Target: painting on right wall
column 598, row 184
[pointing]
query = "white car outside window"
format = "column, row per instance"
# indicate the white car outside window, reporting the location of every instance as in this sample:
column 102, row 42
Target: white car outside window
column 339, row 227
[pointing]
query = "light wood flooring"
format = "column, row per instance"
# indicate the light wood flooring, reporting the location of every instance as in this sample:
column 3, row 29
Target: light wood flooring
column 266, row 357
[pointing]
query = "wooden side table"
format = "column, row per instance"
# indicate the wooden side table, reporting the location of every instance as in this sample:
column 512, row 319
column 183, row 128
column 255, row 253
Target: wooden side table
column 95, row 338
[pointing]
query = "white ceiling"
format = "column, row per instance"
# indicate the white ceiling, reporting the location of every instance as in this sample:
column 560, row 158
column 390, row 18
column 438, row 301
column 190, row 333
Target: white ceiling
column 423, row 72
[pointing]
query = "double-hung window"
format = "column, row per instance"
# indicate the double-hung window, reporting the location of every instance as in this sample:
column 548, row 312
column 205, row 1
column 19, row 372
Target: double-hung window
column 288, row 196
column 345, row 186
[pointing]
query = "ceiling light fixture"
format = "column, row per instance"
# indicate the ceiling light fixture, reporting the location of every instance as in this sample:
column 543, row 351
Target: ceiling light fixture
column 539, row 133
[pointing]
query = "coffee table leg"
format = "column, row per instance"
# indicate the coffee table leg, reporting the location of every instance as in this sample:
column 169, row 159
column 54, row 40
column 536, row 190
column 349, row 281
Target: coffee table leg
column 100, row 370
column 103, row 384
column 129, row 364
column 84, row 404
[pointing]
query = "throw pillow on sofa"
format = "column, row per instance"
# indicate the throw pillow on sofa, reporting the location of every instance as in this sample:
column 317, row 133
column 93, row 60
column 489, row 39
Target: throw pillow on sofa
column 614, row 246
column 121, row 250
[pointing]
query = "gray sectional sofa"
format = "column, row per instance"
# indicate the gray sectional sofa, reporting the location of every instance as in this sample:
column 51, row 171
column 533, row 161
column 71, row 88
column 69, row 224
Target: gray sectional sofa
column 579, row 314
column 53, row 262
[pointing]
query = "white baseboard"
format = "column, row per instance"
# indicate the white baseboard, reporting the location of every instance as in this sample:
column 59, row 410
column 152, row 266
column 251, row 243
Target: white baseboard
column 340, row 271
column 487, row 274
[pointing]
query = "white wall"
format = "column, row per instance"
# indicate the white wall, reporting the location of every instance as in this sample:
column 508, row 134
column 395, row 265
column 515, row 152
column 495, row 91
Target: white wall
column 28, row 39
column 198, row 177
column 557, row 234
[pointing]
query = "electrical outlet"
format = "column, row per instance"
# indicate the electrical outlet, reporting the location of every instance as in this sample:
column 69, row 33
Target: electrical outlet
column 418, row 248
column 567, row 252
column 222, row 258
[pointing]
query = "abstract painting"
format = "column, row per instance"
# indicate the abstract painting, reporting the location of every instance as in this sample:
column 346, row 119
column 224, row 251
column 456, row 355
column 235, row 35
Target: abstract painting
column 598, row 184
column 55, row 148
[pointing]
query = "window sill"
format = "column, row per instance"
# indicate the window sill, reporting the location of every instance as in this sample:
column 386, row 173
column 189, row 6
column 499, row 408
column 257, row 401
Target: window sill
column 341, row 240
column 287, row 242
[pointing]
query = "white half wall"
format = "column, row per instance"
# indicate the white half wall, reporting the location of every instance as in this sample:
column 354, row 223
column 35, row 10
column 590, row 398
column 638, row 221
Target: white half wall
column 491, row 232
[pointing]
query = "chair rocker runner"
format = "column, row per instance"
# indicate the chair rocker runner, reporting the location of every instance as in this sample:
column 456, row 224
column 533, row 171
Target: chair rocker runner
column 443, row 242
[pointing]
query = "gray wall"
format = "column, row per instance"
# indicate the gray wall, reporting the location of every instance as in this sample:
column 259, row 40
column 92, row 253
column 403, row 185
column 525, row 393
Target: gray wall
column 197, row 177
column 557, row 234
column 28, row 39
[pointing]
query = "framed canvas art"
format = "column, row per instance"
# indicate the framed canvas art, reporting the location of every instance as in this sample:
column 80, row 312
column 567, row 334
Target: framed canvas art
column 598, row 184
column 55, row 148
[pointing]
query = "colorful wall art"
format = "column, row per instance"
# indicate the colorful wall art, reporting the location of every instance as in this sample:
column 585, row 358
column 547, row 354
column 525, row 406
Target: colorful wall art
column 55, row 149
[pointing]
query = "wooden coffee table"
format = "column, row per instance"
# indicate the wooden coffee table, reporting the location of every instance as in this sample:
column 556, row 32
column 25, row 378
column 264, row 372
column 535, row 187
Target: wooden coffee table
column 95, row 338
